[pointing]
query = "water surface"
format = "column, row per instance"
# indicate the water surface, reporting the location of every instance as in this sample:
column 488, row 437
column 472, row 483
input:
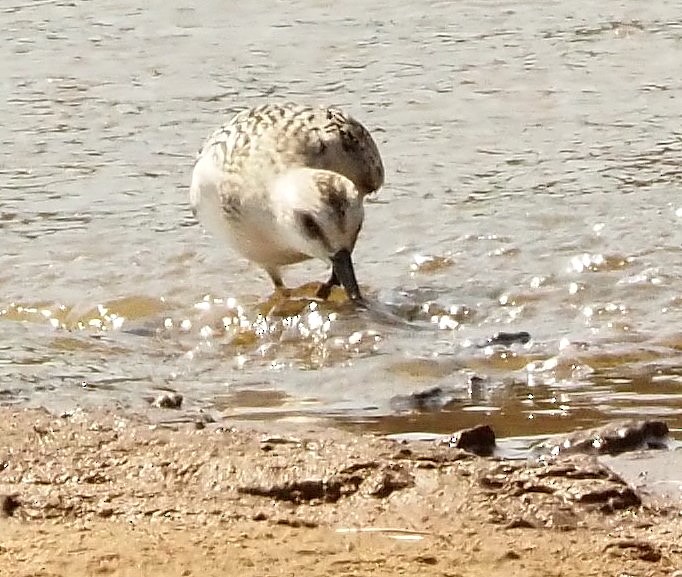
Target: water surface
column 533, row 154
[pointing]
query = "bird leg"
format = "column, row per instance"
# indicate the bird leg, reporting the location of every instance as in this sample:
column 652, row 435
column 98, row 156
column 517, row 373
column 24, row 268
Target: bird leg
column 276, row 278
column 325, row 290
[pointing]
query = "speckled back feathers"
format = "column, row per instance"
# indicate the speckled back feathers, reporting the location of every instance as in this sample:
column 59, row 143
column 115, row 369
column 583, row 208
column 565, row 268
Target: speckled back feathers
column 276, row 137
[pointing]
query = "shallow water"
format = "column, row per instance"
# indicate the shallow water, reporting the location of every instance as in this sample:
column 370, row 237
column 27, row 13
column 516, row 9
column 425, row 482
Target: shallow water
column 534, row 166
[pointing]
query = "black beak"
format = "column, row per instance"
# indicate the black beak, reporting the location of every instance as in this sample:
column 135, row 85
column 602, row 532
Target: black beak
column 342, row 269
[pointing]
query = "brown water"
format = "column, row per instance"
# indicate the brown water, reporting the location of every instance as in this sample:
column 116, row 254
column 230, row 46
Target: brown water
column 534, row 170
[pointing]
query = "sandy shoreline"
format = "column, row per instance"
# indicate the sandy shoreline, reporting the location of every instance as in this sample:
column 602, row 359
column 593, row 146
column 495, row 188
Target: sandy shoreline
column 108, row 494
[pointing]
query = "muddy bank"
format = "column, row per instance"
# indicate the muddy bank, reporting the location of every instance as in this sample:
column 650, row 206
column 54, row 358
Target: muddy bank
column 110, row 494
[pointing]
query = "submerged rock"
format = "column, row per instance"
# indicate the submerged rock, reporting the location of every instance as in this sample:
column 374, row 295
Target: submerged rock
column 168, row 401
column 506, row 339
column 479, row 440
column 433, row 399
column 610, row 439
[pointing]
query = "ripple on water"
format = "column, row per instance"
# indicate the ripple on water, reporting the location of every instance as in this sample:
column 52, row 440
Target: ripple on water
column 535, row 179
column 107, row 316
column 217, row 336
column 599, row 262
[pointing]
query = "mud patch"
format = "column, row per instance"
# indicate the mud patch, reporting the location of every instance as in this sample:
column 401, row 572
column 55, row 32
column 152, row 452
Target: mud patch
column 358, row 504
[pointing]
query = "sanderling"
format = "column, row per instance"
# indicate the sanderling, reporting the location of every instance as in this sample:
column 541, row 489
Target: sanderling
column 285, row 183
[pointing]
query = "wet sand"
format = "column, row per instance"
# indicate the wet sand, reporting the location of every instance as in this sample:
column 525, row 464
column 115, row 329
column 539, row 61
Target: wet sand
column 112, row 494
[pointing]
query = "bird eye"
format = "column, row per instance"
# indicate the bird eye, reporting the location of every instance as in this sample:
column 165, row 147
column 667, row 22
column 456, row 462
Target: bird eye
column 311, row 227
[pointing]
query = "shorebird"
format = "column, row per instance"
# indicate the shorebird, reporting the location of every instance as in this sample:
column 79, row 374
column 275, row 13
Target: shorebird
column 283, row 183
